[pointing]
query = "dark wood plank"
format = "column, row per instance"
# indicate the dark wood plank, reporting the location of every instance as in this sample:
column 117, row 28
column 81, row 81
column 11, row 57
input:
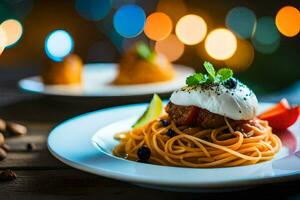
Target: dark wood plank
column 73, row 184
column 31, row 160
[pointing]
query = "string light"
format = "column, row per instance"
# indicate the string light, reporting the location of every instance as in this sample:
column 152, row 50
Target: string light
column 3, row 40
column 191, row 29
column 13, row 30
column 129, row 20
column 220, row 44
column 266, row 38
column 288, row 21
column 243, row 56
column 242, row 21
column 58, row 44
column 171, row 47
column 158, row 26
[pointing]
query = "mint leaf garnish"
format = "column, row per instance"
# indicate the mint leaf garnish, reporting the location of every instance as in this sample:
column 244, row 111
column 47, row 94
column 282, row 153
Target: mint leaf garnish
column 224, row 74
column 210, row 69
column 211, row 77
column 144, row 51
column 196, row 79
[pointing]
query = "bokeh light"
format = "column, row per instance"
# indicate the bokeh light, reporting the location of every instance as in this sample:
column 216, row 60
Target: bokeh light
column 220, row 44
column 191, row 29
column 171, row 47
column 242, row 21
column 158, row 26
column 129, row 20
column 175, row 9
column 58, row 44
column 243, row 56
column 3, row 40
column 13, row 30
column 266, row 38
column 93, row 9
column 288, row 21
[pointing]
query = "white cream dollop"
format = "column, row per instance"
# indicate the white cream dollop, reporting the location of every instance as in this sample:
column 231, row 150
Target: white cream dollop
column 238, row 103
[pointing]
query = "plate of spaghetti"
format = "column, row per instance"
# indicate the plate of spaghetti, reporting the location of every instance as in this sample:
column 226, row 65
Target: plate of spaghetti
column 210, row 134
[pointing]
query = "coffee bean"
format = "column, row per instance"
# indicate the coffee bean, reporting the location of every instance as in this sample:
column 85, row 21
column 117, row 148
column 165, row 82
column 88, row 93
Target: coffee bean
column 6, row 147
column 2, row 125
column 3, row 154
column 8, row 175
column 30, row 146
column 2, row 139
column 16, row 129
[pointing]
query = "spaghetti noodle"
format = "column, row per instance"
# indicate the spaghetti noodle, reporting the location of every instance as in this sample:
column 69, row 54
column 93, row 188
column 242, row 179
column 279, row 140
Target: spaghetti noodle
column 226, row 146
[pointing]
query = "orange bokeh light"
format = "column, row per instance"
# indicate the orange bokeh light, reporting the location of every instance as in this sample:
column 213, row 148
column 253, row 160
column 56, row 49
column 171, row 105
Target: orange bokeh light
column 242, row 58
column 171, row 47
column 191, row 29
column 288, row 21
column 13, row 30
column 220, row 44
column 158, row 26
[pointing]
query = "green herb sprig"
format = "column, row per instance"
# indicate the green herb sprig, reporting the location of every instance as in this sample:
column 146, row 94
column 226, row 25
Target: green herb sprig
column 144, row 51
column 212, row 76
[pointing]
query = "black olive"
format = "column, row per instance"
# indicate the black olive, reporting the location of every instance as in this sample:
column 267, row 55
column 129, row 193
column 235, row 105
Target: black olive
column 143, row 154
column 171, row 133
column 165, row 122
column 230, row 83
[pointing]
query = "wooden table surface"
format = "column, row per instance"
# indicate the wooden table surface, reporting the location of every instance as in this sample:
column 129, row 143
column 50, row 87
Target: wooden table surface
column 41, row 176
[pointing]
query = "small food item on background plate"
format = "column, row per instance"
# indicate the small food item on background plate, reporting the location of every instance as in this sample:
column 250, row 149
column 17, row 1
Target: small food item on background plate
column 67, row 72
column 142, row 65
column 281, row 116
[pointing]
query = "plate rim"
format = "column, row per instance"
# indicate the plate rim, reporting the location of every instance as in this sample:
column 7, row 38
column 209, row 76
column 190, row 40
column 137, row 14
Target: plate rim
column 133, row 179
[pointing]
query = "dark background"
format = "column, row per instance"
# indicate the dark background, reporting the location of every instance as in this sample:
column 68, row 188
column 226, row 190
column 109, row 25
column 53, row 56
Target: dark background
column 268, row 72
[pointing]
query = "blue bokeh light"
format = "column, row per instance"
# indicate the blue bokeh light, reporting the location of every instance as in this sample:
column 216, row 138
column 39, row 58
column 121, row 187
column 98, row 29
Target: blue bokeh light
column 129, row 20
column 266, row 38
column 93, row 9
column 58, row 44
column 242, row 21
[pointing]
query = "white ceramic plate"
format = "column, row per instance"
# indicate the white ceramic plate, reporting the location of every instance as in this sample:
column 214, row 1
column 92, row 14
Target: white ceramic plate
column 76, row 142
column 97, row 80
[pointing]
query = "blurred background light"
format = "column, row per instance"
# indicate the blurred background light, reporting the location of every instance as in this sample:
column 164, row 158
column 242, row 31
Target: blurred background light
column 171, row 47
column 242, row 21
column 13, row 30
column 266, row 38
column 158, row 26
column 129, row 20
column 58, row 44
column 243, row 56
column 191, row 29
column 220, row 44
column 3, row 40
column 119, row 3
column 288, row 21
column 93, row 9
column 175, row 9
column 21, row 8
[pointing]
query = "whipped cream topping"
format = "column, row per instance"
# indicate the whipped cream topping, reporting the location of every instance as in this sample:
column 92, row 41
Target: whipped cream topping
column 238, row 103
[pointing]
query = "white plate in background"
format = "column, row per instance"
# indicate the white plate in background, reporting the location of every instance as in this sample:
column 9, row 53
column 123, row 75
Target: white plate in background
column 97, row 80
